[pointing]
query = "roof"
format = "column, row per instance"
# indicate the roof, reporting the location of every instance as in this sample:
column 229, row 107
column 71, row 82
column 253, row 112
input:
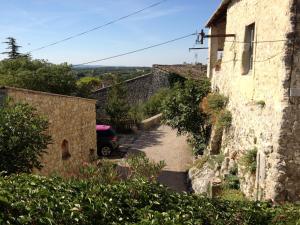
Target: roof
column 188, row 71
column 219, row 12
column 102, row 127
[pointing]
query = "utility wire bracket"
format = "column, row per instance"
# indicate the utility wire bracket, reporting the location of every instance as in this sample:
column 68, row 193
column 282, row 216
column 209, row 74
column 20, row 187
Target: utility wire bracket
column 202, row 35
column 191, row 49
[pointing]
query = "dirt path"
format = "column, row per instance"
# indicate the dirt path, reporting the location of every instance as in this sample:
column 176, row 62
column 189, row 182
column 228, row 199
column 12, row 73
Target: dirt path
column 164, row 144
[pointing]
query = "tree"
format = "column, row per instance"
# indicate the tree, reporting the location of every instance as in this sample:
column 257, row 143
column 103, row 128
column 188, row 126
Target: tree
column 13, row 48
column 22, row 138
column 117, row 107
column 181, row 111
column 38, row 75
column 86, row 85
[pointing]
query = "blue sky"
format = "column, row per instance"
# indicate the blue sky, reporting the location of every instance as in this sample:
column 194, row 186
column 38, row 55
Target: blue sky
column 35, row 23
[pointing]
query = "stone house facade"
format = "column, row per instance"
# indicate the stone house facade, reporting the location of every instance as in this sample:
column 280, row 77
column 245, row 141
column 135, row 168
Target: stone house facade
column 254, row 59
column 72, row 124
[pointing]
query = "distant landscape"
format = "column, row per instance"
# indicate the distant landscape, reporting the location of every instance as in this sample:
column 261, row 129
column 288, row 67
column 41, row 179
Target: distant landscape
column 106, row 73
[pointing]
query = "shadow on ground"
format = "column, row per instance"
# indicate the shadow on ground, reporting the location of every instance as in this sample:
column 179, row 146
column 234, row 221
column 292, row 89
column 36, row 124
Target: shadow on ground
column 148, row 139
column 176, row 181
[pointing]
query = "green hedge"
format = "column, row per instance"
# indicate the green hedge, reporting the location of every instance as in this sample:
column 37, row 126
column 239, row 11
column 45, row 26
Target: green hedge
column 29, row 199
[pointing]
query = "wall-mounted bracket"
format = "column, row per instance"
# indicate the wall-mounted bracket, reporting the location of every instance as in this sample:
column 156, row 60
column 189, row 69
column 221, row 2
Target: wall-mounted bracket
column 202, row 35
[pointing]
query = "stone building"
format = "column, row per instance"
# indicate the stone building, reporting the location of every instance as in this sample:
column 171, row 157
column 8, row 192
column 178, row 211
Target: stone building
column 72, row 124
column 254, row 59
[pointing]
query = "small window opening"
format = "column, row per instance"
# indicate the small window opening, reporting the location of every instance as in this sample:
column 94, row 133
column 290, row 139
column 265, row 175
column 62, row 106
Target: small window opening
column 65, row 150
column 219, row 60
column 247, row 60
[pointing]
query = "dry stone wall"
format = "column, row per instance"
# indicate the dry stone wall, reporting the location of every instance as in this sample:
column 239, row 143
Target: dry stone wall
column 72, row 123
column 274, row 129
column 139, row 89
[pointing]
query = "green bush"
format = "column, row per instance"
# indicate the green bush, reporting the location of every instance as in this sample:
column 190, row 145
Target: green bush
column 231, row 182
column 154, row 105
column 248, row 161
column 30, row 199
column 117, row 107
column 232, row 195
column 86, row 85
column 181, row 112
column 142, row 167
column 22, row 138
column 224, row 119
column 216, row 103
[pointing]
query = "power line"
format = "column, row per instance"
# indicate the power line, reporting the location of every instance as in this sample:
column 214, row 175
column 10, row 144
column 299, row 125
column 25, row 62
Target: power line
column 138, row 50
column 99, row 27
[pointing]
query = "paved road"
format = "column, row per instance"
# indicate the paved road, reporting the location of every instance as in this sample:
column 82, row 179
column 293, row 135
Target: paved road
column 164, row 144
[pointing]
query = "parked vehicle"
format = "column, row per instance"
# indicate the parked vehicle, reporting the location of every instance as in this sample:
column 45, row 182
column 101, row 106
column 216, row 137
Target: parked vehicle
column 107, row 140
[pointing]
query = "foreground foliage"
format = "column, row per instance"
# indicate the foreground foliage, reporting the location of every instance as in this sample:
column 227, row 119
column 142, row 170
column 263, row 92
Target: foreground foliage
column 22, row 138
column 29, row 199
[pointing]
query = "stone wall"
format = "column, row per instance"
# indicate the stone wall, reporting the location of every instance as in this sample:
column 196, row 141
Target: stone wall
column 273, row 129
column 139, row 89
column 71, row 119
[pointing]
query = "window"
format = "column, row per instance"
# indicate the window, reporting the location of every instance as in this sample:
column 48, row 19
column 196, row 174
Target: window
column 247, row 59
column 65, row 154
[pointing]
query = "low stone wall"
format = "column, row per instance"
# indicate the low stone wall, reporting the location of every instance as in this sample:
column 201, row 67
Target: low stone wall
column 139, row 89
column 72, row 123
column 151, row 122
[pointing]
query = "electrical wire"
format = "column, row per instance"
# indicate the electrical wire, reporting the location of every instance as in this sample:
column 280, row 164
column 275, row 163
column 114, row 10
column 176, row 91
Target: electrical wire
column 99, row 27
column 135, row 51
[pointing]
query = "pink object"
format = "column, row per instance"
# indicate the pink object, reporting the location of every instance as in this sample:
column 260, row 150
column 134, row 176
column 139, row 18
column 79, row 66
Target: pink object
column 102, row 127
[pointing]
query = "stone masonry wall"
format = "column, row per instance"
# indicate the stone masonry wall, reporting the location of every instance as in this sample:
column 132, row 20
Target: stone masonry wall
column 139, row 89
column 274, row 129
column 71, row 119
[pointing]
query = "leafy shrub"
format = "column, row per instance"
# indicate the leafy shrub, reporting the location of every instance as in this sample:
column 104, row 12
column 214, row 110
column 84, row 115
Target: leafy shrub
column 102, row 172
column 117, row 107
column 198, row 142
column 224, row 119
column 215, row 103
column 248, row 161
column 230, row 194
column 231, row 182
column 86, row 85
column 142, row 167
column 22, row 138
column 154, row 105
column 29, row 199
column 180, row 111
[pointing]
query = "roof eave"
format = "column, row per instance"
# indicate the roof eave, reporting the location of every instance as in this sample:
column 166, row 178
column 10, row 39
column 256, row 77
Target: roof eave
column 218, row 13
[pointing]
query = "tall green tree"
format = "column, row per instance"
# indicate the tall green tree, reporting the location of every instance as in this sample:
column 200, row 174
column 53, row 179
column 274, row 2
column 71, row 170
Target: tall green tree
column 117, row 107
column 181, row 111
column 22, row 138
column 13, row 48
column 38, row 75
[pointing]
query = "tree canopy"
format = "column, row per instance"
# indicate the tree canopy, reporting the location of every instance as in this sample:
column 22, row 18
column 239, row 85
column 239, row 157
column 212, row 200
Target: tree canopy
column 38, row 75
column 22, row 138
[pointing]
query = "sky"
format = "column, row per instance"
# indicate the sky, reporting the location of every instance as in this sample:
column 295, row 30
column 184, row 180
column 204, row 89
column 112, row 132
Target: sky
column 36, row 23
